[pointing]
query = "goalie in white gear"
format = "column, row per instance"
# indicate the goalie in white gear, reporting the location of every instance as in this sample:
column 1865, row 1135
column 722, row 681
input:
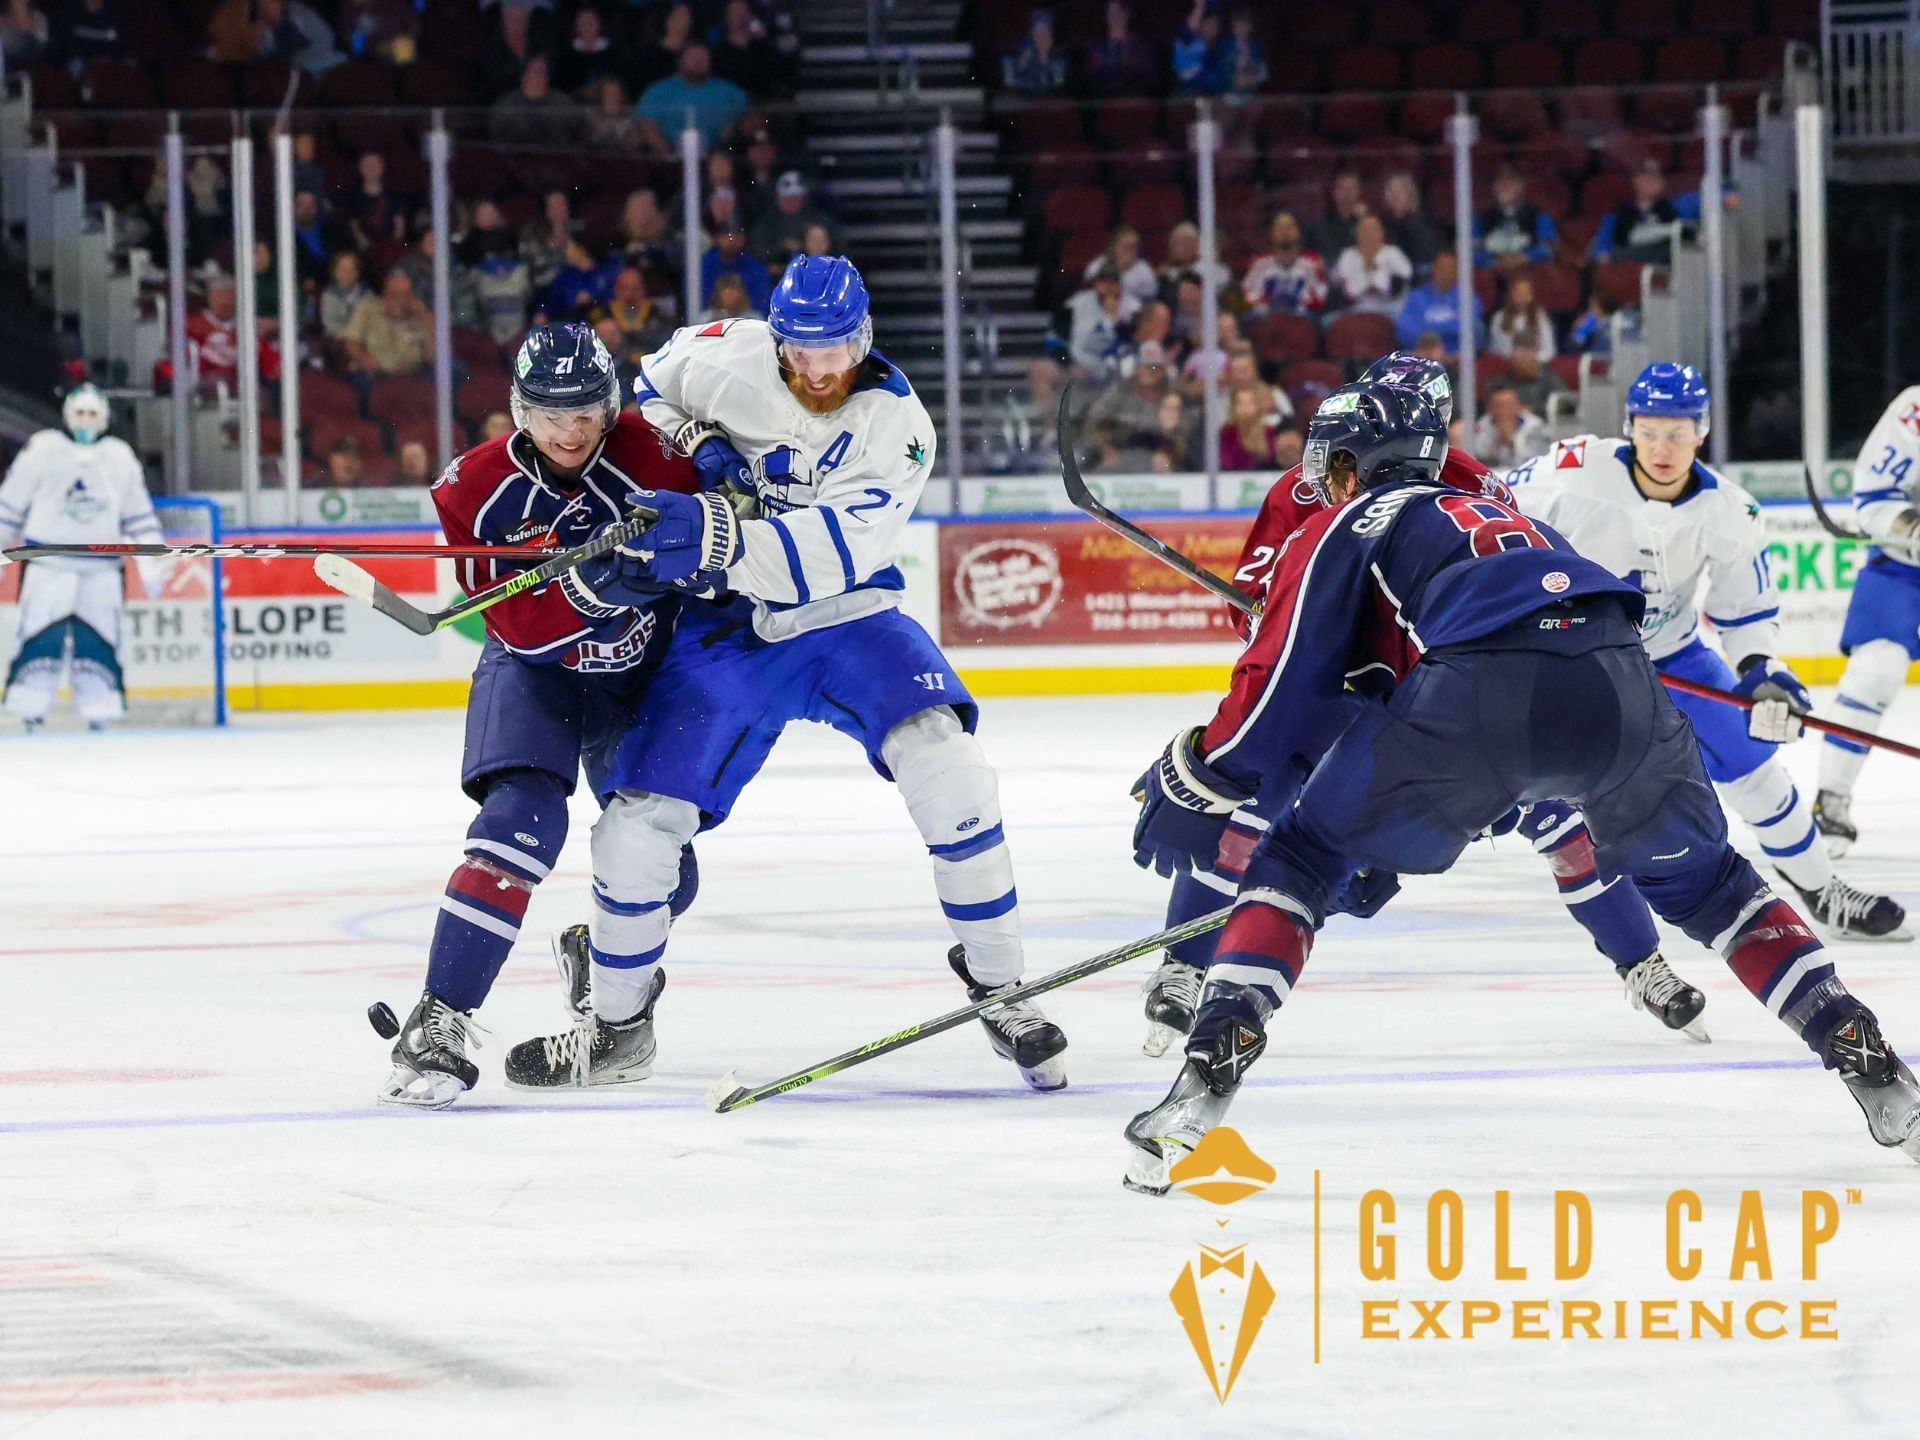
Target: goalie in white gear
column 81, row 486
column 1647, row 509
column 812, row 452
column 1881, row 636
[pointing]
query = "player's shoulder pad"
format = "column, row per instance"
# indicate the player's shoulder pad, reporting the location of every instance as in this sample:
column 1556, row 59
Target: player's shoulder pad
column 120, row 450
column 485, row 463
column 1733, row 497
column 644, row 454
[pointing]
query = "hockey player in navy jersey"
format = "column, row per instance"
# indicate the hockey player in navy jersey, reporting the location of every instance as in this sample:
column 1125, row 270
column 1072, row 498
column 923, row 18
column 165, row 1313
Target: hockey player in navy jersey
column 1428, row 661
column 558, row 678
column 823, row 445
column 1609, row 909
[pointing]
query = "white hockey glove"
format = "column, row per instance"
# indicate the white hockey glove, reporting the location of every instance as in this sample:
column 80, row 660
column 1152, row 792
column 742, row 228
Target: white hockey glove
column 1779, row 700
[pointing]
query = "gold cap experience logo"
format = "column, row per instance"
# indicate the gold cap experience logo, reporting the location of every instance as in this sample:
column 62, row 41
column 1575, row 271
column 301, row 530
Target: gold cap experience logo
column 1222, row 1296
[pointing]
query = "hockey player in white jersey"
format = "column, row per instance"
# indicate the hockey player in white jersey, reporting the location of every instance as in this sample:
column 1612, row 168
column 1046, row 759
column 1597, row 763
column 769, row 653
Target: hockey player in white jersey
column 1882, row 631
column 1647, row 509
column 813, row 451
column 77, row 487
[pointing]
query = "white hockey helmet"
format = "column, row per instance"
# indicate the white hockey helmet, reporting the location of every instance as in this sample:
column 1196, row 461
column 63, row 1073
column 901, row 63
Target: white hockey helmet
column 86, row 414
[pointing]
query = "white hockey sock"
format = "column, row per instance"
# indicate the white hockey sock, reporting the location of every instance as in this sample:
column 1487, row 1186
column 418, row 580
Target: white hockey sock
column 954, row 798
column 1875, row 673
column 1782, row 821
column 636, row 864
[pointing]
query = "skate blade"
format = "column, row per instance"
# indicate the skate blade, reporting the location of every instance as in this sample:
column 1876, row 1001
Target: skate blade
column 630, row 1075
column 1047, row 1076
column 423, row 1090
column 1694, row 1030
column 1837, row 846
column 1897, row 936
column 1147, row 1168
column 1159, row 1038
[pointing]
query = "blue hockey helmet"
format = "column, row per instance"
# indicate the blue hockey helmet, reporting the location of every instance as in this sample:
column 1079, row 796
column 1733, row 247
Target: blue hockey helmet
column 86, row 414
column 820, row 302
column 1670, row 391
column 564, row 367
column 1387, row 432
column 1417, row 372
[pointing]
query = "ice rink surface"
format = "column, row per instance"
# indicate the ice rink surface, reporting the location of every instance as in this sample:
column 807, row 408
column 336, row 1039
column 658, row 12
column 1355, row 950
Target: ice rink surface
column 208, row 1228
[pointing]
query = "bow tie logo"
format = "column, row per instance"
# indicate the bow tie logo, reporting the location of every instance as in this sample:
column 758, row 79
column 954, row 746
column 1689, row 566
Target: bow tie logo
column 1222, row 1297
column 1233, row 1261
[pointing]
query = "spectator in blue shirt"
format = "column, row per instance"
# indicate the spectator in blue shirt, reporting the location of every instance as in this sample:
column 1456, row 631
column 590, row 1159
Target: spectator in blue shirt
column 1512, row 232
column 1197, row 53
column 580, row 284
column 1036, row 68
column 715, row 103
column 1120, row 63
column 728, row 256
column 1641, row 228
column 1435, row 306
column 1242, row 62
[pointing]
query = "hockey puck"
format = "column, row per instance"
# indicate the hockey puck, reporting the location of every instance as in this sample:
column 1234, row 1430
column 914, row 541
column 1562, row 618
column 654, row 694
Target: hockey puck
column 381, row 1018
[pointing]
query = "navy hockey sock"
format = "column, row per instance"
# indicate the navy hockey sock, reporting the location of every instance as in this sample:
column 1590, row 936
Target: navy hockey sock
column 479, row 920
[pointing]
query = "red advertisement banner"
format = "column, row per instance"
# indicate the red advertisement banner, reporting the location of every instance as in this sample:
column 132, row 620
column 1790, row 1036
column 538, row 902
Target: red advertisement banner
column 1057, row 582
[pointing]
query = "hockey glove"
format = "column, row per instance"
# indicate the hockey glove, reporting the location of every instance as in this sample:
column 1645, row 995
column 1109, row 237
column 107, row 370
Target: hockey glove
column 714, row 459
column 1365, row 893
column 1183, row 810
column 694, row 533
column 1779, row 700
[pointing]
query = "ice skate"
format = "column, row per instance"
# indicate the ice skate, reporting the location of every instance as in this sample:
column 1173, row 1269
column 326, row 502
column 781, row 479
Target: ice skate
column 1173, row 994
column 570, row 954
column 592, row 1052
column 1017, row 1029
column 1223, row 1044
column 1652, row 987
column 430, row 1064
column 1849, row 914
column 1879, row 1079
column 1833, row 818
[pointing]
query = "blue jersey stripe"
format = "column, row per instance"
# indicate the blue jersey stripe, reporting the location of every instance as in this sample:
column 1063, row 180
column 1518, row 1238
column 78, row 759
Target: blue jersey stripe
column 1754, row 618
column 801, row 592
column 971, row 846
column 839, row 544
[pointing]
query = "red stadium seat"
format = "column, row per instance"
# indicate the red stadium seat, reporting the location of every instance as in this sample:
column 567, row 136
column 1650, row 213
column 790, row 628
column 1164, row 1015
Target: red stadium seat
column 1795, row 19
column 1345, row 116
column 1576, row 235
column 1551, row 194
column 1369, row 68
column 397, row 397
column 1604, row 191
column 479, row 396
column 1118, row 121
column 1076, row 164
column 1400, row 22
column 1077, row 252
column 1612, row 61
column 1239, row 207
column 1628, row 149
column 1424, row 115
column 1489, row 370
column 118, row 85
column 1670, row 109
column 1569, row 20
column 424, row 428
column 1728, row 19
column 357, row 83
column 198, row 85
column 1148, row 162
column 1690, row 59
column 328, row 430
column 1321, row 27
column 1645, row 19
column 1510, row 115
column 1764, row 57
column 434, row 82
column 1376, row 156
column 475, row 351
column 1556, row 287
column 1078, row 207
column 1618, row 281
column 1489, row 22
column 1305, row 200
column 1046, row 124
column 1567, row 367
column 1445, row 67
column 1157, row 207
column 1590, row 112
column 325, row 395
column 1308, row 382
column 53, row 88
column 1282, row 339
column 1358, row 335
column 1529, row 62
column 1283, row 119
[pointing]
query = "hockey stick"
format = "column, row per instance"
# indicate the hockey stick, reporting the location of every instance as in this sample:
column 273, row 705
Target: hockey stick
column 1241, row 602
column 21, row 553
column 1085, row 500
column 1835, row 528
column 728, row 1094
column 355, row 583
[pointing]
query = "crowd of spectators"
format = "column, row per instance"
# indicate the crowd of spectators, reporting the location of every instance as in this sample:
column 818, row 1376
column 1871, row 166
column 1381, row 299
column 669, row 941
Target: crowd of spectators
column 1133, row 332
column 1209, row 55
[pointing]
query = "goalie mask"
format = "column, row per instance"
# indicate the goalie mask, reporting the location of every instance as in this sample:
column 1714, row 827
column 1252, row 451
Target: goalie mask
column 86, row 414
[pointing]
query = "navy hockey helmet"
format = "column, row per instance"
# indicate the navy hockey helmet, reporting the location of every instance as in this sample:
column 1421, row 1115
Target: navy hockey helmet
column 564, row 367
column 1417, row 372
column 1386, row 432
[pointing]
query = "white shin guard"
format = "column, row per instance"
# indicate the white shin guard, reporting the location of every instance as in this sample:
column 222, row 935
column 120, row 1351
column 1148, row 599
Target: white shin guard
column 953, row 796
column 1782, row 821
column 636, row 863
column 1875, row 673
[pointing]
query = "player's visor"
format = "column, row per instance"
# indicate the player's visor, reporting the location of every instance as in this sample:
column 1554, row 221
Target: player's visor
column 585, row 415
column 820, row 360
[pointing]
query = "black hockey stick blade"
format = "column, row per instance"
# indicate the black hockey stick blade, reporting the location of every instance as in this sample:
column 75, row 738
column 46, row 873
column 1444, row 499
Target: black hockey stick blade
column 1835, row 528
column 728, row 1094
column 355, row 583
column 1087, row 502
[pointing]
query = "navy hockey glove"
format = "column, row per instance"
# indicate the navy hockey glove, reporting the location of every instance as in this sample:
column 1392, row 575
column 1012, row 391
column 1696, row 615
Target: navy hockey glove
column 1183, row 811
column 1779, row 700
column 1365, row 893
column 694, row 534
column 714, row 459
column 608, row 584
